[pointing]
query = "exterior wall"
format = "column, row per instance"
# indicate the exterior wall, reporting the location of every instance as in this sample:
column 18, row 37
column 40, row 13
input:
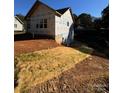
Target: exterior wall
column 19, row 25
column 42, row 12
column 62, row 31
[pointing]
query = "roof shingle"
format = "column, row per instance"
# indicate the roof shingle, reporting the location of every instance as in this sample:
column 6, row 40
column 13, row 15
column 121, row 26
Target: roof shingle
column 63, row 10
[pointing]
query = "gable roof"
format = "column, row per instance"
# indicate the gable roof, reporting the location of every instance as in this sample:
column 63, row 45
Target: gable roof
column 58, row 12
column 63, row 10
column 35, row 6
column 19, row 19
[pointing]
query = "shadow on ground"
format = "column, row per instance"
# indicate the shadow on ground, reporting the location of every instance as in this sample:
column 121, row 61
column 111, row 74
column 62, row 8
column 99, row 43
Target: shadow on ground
column 97, row 40
column 103, row 52
column 28, row 36
column 100, row 48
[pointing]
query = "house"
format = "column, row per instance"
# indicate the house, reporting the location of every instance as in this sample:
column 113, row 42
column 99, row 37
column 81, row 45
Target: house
column 58, row 24
column 18, row 24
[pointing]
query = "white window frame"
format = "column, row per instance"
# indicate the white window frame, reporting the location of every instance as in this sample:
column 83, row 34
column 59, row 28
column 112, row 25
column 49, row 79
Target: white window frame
column 43, row 22
column 15, row 25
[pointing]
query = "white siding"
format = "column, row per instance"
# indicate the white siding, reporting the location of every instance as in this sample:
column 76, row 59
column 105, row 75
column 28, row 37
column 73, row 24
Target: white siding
column 56, row 26
column 19, row 25
column 61, row 28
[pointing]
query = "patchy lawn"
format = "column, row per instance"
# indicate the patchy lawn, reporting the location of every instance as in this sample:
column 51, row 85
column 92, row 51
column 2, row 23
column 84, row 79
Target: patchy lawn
column 39, row 66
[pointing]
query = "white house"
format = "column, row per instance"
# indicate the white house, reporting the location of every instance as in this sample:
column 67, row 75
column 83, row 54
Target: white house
column 18, row 24
column 58, row 24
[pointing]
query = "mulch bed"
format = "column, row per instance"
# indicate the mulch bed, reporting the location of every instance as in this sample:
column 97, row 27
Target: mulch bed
column 26, row 46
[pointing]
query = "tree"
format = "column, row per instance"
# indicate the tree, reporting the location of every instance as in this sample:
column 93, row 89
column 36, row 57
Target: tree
column 75, row 20
column 75, row 17
column 85, row 20
column 105, row 17
column 97, row 23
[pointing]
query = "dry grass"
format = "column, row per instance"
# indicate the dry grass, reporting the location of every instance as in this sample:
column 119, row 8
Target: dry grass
column 40, row 66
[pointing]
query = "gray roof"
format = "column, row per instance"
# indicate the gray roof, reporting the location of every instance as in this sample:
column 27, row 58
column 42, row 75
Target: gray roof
column 63, row 10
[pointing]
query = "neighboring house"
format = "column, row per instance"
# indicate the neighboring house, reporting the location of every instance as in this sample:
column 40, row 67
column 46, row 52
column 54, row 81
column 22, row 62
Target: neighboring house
column 18, row 24
column 58, row 24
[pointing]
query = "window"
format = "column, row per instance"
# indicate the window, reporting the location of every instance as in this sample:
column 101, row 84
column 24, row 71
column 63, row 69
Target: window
column 45, row 23
column 67, row 23
column 36, row 25
column 41, row 23
column 15, row 25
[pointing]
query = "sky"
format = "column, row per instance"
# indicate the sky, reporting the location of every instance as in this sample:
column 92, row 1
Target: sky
column 92, row 7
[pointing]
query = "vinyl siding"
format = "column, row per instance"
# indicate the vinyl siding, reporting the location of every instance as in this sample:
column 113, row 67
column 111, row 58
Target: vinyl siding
column 42, row 12
column 19, row 25
column 61, row 28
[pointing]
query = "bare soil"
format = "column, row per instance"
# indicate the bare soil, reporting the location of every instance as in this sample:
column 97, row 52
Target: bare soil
column 89, row 76
column 27, row 46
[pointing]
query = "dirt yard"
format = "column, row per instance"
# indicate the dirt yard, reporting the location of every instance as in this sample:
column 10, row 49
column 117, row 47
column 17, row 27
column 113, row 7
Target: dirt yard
column 40, row 66
column 26, row 46
column 89, row 76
